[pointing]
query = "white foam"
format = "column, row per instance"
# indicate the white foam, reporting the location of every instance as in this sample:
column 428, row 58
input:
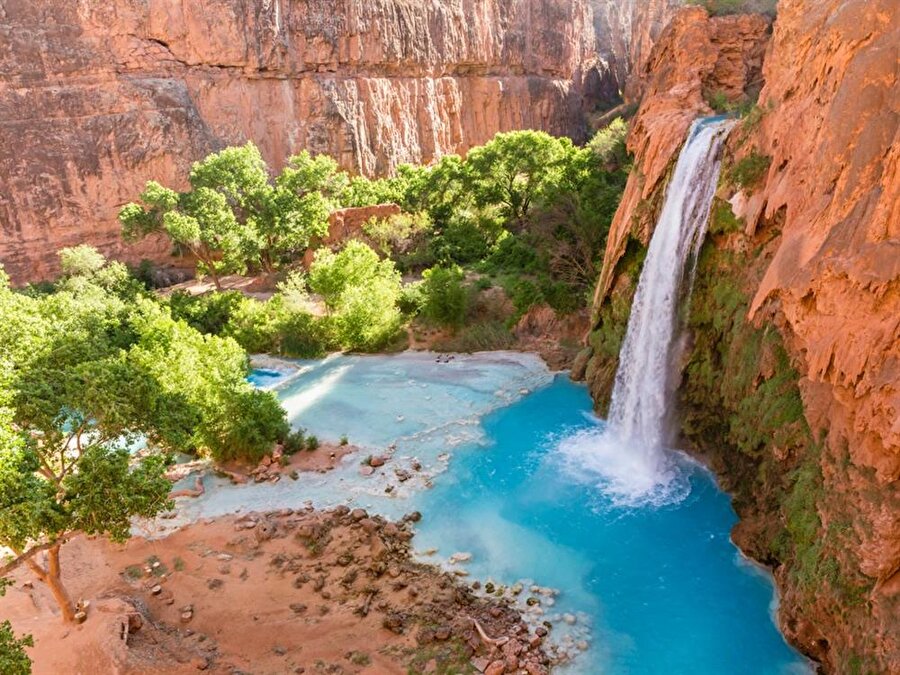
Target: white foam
column 627, row 476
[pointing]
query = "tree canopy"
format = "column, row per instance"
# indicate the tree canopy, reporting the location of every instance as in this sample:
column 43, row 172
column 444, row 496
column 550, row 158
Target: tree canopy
column 85, row 372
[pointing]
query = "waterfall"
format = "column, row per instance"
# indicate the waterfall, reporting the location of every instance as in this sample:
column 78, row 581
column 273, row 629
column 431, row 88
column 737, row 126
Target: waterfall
column 641, row 394
column 628, row 457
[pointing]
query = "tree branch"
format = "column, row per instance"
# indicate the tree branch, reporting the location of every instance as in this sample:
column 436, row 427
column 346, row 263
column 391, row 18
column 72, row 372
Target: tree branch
column 30, row 553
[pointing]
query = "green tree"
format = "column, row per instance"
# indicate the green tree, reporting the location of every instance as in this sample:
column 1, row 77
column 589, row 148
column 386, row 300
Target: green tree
column 332, row 273
column 199, row 221
column 85, row 371
column 446, row 299
column 516, row 169
column 13, row 659
column 361, row 291
column 81, row 260
column 234, row 216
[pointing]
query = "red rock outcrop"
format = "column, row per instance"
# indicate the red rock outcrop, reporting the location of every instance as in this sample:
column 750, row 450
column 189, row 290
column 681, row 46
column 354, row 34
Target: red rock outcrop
column 825, row 216
column 695, row 56
column 832, row 130
column 96, row 98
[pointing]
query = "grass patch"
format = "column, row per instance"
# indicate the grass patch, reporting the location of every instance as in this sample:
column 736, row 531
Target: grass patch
column 749, row 171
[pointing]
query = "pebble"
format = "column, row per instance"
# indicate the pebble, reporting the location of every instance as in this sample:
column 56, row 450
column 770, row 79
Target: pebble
column 569, row 619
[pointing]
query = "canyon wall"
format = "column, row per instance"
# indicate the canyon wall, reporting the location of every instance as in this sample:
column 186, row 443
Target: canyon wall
column 791, row 371
column 98, row 97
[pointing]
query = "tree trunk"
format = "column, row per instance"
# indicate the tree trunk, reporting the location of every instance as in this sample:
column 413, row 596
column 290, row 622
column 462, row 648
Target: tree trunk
column 51, row 577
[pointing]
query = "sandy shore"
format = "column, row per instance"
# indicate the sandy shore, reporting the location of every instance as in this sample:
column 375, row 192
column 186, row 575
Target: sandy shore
column 302, row 592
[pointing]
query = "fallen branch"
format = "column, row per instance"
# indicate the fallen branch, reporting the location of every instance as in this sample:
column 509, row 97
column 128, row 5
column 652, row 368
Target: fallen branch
column 187, row 492
column 495, row 642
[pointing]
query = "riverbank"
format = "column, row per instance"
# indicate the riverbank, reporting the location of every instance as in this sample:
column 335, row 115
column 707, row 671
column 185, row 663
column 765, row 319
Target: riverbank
column 300, row 591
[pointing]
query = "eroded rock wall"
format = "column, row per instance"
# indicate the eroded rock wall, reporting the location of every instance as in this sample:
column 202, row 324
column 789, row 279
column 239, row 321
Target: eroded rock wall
column 626, row 32
column 98, row 97
column 807, row 244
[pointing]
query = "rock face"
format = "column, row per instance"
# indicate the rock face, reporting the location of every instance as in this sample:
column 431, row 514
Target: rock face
column 626, row 32
column 695, row 56
column 832, row 131
column 96, row 98
column 820, row 222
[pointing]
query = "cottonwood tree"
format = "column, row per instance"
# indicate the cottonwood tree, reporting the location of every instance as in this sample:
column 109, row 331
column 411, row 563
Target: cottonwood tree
column 516, row 169
column 86, row 370
column 65, row 402
column 234, row 216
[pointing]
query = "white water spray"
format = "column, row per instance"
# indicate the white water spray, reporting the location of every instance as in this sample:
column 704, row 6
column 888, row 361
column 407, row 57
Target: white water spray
column 628, row 457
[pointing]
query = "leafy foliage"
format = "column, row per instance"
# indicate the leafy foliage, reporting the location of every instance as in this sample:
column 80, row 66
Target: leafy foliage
column 234, row 216
column 747, row 172
column 446, row 299
column 13, row 659
column 84, row 372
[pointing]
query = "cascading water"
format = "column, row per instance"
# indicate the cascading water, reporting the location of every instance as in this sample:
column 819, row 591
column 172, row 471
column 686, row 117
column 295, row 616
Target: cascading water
column 629, row 456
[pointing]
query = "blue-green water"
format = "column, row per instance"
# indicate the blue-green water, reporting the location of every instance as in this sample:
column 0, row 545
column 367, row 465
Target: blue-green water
column 664, row 587
column 652, row 589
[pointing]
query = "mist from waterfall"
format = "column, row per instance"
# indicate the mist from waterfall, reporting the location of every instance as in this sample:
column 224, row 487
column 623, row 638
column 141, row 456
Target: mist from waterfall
column 628, row 457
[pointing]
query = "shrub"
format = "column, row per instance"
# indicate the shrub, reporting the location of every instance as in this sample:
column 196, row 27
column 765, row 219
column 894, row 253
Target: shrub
column 479, row 337
column 446, row 299
column 726, row 7
column 344, row 440
column 312, row 443
column 513, row 254
column 403, row 238
column 82, row 260
column 412, row 298
column 467, row 238
column 367, row 317
column 208, row 313
column 750, row 170
column 294, row 442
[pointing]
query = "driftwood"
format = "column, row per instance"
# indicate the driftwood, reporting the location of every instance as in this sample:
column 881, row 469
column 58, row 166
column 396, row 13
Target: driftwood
column 188, row 492
column 494, row 642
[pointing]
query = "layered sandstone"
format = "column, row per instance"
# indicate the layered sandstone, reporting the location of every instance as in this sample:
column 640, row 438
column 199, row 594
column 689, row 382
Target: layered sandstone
column 823, row 220
column 96, row 98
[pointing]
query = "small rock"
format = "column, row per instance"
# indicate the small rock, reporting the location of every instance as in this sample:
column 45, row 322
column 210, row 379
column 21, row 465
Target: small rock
column 135, row 621
column 442, row 633
column 376, row 460
column 80, row 617
column 413, row 517
column 496, row 668
column 279, row 650
column 569, row 619
column 200, row 663
column 224, row 557
column 366, row 470
column 298, row 607
column 156, row 590
column 358, row 514
column 213, row 584
column 480, row 663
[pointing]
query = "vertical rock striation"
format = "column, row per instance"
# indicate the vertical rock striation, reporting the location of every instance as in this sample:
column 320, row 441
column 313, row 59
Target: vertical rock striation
column 96, row 98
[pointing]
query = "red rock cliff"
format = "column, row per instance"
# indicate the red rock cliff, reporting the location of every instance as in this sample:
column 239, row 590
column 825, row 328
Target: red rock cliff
column 825, row 216
column 98, row 97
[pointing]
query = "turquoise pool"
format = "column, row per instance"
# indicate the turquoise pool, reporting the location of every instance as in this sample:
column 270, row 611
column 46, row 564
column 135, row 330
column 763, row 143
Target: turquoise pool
column 653, row 588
